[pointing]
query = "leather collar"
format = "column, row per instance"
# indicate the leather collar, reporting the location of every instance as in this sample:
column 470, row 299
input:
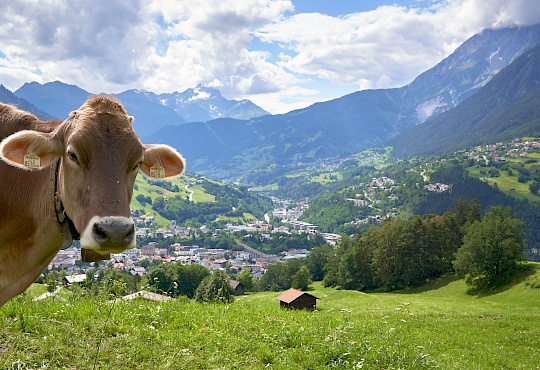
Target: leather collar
column 63, row 222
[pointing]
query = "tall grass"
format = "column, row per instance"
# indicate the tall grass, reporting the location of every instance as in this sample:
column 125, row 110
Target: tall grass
column 438, row 326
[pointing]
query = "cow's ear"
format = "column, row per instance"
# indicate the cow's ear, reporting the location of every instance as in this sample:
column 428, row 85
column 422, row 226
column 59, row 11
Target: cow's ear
column 162, row 162
column 29, row 150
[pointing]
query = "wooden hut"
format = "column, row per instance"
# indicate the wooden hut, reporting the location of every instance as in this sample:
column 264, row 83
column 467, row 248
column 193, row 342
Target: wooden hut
column 237, row 286
column 296, row 299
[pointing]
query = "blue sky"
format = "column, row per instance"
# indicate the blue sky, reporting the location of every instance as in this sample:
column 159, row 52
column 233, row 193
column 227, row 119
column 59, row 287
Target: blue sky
column 338, row 8
column 281, row 54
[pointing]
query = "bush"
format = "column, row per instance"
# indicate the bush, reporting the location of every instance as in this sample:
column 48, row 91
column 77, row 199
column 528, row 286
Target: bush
column 215, row 289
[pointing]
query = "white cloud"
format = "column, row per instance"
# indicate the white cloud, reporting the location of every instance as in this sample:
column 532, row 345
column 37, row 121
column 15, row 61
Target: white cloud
column 168, row 45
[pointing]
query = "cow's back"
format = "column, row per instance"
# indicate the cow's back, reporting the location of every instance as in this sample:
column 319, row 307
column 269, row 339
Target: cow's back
column 13, row 120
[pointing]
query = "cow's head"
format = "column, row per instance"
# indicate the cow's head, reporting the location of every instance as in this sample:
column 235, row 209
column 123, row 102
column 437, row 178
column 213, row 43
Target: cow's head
column 100, row 156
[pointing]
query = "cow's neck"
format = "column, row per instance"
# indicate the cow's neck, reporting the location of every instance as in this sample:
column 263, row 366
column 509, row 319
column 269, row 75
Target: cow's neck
column 29, row 236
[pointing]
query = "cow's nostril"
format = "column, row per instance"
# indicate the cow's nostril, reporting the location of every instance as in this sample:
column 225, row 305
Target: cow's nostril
column 100, row 234
column 130, row 235
column 114, row 232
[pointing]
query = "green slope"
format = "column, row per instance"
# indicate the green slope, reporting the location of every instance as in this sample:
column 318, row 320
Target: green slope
column 439, row 326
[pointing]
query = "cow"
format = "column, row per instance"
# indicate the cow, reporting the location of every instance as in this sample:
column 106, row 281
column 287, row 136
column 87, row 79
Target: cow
column 65, row 180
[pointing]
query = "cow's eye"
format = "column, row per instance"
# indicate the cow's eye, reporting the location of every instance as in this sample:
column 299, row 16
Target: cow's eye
column 73, row 157
column 136, row 168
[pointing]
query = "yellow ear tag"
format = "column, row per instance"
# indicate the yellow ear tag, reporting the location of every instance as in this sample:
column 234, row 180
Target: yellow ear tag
column 157, row 172
column 32, row 161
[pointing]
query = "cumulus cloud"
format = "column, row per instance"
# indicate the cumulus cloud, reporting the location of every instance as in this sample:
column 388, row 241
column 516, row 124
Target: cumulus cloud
column 389, row 46
column 102, row 42
column 255, row 49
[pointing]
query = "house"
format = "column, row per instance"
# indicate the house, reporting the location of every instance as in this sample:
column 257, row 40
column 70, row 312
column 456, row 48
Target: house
column 237, row 286
column 296, row 299
column 70, row 279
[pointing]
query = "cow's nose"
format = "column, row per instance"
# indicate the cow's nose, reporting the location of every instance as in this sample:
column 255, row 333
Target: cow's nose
column 114, row 234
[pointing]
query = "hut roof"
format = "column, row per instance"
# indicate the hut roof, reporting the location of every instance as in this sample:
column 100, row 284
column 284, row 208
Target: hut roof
column 292, row 294
column 147, row 295
column 75, row 278
column 234, row 283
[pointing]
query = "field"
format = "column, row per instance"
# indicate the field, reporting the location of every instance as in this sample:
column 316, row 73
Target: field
column 439, row 326
column 187, row 186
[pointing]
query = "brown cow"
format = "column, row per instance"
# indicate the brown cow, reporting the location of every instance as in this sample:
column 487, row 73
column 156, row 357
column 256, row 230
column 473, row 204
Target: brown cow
column 61, row 180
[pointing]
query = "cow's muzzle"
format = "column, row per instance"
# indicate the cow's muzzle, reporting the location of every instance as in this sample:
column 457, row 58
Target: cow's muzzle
column 111, row 234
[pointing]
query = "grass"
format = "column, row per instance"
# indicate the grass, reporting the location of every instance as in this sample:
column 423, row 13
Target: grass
column 269, row 187
column 440, row 325
column 156, row 191
column 239, row 220
column 200, row 195
column 327, row 177
column 507, row 184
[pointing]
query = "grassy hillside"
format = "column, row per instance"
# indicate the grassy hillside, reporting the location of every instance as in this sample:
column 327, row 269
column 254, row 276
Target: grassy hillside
column 185, row 186
column 438, row 326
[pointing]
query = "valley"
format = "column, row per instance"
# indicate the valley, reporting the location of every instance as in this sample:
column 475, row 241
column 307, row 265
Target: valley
column 404, row 211
column 311, row 177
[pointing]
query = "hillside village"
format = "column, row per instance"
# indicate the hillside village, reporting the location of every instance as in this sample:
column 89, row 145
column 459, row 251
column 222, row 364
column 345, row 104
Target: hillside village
column 133, row 260
column 285, row 211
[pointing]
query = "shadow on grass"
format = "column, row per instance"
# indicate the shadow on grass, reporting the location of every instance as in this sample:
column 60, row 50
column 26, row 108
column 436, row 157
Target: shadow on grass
column 523, row 274
column 432, row 284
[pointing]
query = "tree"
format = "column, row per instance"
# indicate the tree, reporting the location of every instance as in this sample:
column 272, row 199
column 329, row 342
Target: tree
column 176, row 279
column 315, row 261
column 467, row 212
column 246, row 279
column 162, row 279
column 332, row 267
column 491, row 249
column 300, row 280
column 215, row 288
column 51, row 281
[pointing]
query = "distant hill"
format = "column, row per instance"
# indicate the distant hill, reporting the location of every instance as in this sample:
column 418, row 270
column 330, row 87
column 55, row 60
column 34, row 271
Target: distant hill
column 55, row 98
column 151, row 111
column 507, row 107
column 6, row 96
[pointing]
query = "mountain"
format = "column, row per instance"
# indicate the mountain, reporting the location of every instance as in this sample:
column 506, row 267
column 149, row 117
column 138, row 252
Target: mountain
column 149, row 114
column 6, row 96
column 337, row 128
column 461, row 74
column 351, row 123
column 507, row 107
column 56, row 98
column 59, row 99
column 202, row 104
column 151, row 111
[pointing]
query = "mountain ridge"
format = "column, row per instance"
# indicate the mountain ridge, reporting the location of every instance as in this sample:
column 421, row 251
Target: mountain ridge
column 150, row 110
column 336, row 128
column 355, row 121
column 506, row 107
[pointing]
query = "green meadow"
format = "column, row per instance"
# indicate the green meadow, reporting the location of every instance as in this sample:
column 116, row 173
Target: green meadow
column 506, row 183
column 187, row 186
column 438, row 326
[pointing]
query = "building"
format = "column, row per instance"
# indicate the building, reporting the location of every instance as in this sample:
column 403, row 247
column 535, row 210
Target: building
column 237, row 286
column 71, row 279
column 296, row 299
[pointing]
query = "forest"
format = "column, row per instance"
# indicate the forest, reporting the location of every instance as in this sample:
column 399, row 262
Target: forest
column 400, row 254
